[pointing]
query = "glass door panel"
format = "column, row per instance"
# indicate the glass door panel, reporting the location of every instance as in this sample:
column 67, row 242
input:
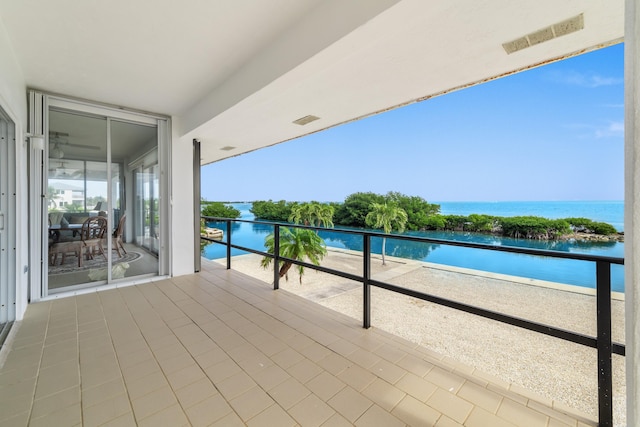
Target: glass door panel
column 138, row 207
column 147, row 222
column 77, row 190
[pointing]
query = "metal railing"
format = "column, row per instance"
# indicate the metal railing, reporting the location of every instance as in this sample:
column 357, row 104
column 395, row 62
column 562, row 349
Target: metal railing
column 602, row 342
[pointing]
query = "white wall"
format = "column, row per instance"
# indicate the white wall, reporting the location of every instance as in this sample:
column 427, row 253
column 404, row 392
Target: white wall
column 13, row 100
column 182, row 215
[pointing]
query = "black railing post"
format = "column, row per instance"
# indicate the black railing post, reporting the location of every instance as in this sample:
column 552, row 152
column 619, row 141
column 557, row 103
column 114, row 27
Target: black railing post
column 228, row 244
column 276, row 257
column 366, row 285
column 605, row 372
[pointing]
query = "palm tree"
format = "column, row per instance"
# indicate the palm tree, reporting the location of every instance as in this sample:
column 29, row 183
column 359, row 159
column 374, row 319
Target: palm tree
column 387, row 217
column 312, row 213
column 298, row 244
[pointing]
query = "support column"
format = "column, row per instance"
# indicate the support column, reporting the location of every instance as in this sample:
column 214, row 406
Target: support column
column 632, row 208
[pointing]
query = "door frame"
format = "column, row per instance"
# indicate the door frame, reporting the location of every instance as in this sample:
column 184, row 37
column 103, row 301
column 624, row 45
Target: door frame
column 40, row 104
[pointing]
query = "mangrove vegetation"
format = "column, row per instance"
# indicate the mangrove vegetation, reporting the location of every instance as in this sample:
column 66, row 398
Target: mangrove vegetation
column 422, row 216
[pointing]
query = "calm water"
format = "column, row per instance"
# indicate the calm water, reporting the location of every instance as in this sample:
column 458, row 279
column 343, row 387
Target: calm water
column 563, row 271
column 611, row 212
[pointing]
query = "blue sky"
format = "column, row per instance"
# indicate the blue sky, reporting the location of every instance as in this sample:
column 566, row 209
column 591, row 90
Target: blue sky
column 552, row 133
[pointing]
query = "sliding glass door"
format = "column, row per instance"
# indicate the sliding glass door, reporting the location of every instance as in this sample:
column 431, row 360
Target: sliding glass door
column 99, row 189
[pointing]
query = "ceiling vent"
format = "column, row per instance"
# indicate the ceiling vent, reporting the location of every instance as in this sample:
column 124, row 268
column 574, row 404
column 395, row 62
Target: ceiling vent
column 228, row 148
column 306, row 119
column 565, row 27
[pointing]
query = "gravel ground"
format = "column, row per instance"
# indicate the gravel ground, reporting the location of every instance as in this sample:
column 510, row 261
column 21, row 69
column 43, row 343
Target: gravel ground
column 552, row 368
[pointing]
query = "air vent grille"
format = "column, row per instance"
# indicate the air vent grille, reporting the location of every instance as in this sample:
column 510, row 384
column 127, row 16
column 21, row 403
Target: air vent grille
column 563, row 28
column 306, row 119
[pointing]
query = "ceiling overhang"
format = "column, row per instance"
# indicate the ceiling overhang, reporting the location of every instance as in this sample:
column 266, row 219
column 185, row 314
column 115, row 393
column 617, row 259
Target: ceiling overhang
column 239, row 73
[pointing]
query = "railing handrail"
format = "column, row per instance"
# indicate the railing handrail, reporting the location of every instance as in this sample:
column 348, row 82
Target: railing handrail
column 602, row 342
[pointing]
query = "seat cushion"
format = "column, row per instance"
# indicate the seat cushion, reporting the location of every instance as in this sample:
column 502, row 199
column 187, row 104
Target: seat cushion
column 78, row 219
column 56, row 217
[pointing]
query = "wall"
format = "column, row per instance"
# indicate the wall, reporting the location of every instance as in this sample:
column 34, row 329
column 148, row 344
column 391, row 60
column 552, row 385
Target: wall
column 182, row 215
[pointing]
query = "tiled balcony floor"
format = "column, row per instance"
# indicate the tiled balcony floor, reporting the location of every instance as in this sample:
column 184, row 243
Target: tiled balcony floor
column 220, row 348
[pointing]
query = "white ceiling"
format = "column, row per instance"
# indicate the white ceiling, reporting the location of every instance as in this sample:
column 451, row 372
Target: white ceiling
column 238, row 72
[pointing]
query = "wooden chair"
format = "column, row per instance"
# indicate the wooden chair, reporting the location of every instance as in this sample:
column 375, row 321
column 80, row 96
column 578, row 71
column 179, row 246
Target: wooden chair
column 91, row 235
column 65, row 248
column 117, row 237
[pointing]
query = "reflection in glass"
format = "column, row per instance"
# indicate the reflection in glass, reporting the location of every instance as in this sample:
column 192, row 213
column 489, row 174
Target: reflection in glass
column 80, row 189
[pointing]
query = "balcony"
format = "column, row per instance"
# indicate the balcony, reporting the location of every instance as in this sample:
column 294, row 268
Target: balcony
column 222, row 348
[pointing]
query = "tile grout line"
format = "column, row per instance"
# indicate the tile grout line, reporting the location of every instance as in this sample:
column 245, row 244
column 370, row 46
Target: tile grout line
column 451, row 368
column 318, row 343
column 155, row 310
column 267, row 392
column 35, row 387
column 100, row 297
column 223, row 350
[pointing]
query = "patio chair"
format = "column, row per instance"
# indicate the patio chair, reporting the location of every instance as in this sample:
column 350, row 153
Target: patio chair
column 65, row 248
column 117, row 237
column 91, row 235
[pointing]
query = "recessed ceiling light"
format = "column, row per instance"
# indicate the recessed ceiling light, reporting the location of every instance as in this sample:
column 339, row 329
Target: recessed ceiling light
column 306, row 119
column 228, row 148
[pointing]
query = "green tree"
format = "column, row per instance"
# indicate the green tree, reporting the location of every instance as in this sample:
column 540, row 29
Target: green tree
column 435, row 222
column 588, row 226
column 603, row 228
column 312, row 213
column 454, row 222
column 418, row 209
column 533, row 227
column 387, row 217
column 220, row 210
column 297, row 244
column 74, row 207
column 480, row 223
column 271, row 211
column 353, row 212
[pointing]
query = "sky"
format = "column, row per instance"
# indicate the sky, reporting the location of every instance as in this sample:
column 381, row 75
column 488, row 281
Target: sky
column 552, row 133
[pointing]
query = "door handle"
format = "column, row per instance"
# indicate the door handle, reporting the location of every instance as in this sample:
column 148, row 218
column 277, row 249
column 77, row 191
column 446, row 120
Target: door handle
column 1, row 221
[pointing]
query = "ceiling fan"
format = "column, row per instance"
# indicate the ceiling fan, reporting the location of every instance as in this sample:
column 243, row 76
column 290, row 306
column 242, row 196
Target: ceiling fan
column 63, row 172
column 61, row 139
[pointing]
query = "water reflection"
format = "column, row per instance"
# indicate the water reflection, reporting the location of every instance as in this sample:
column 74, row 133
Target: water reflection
column 395, row 247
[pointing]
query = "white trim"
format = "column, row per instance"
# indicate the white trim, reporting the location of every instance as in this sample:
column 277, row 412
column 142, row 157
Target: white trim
column 36, row 227
column 165, row 254
column 109, row 161
column 139, row 280
column 100, row 109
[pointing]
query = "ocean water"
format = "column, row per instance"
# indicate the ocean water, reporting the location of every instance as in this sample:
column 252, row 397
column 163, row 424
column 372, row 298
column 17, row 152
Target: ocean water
column 578, row 273
column 611, row 212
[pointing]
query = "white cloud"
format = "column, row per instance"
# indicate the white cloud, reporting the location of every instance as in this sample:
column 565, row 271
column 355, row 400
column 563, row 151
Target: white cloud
column 614, row 129
column 584, row 80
